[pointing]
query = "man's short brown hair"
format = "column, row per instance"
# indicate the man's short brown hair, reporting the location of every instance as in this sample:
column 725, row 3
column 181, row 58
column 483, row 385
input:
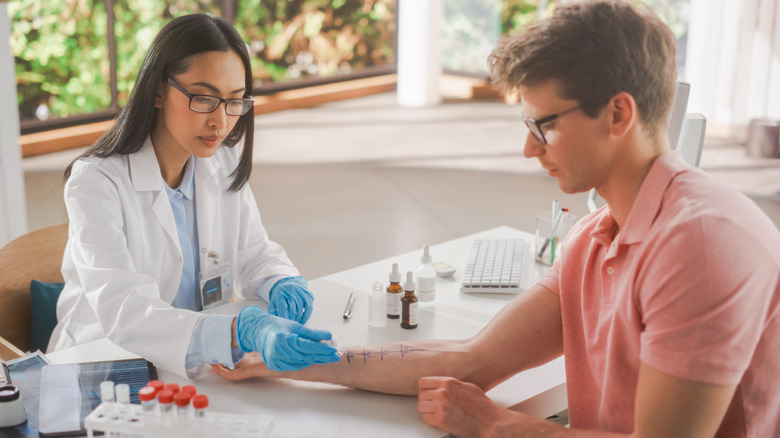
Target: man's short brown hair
column 594, row 49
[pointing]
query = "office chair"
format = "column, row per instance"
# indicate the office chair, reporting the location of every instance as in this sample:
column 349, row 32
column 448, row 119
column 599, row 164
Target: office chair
column 686, row 133
column 34, row 256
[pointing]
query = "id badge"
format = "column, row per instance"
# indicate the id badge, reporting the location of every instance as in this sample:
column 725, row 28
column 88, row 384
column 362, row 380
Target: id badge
column 216, row 285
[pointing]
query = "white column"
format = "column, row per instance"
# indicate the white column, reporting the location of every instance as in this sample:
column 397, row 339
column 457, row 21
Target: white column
column 419, row 52
column 13, row 212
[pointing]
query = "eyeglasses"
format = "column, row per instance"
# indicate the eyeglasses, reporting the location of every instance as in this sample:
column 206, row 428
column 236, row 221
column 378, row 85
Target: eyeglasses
column 204, row 103
column 535, row 126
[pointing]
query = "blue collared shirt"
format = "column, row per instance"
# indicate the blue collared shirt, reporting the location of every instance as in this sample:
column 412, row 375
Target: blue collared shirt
column 211, row 340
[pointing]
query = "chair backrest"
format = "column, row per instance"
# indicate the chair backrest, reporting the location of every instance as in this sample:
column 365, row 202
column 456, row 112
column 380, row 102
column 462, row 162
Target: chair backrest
column 36, row 255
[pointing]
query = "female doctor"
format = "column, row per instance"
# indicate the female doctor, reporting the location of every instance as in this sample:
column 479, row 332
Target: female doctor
column 162, row 223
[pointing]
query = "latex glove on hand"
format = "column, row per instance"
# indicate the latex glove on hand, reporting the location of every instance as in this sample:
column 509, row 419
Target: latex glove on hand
column 284, row 345
column 290, row 299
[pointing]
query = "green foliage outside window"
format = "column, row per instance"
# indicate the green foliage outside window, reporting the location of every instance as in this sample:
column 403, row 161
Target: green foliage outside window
column 62, row 59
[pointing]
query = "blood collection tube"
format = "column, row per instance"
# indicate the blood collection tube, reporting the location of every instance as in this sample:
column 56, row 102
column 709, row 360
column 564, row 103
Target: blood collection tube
column 165, row 401
column 148, row 397
column 200, row 403
column 182, row 402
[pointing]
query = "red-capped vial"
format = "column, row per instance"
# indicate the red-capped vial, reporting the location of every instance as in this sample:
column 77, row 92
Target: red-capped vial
column 158, row 385
column 174, row 388
column 191, row 389
column 182, row 402
column 148, row 397
column 200, row 403
column 165, row 401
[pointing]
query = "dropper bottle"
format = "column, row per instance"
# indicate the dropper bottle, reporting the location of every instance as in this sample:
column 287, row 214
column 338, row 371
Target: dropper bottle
column 426, row 277
column 394, row 291
column 409, row 311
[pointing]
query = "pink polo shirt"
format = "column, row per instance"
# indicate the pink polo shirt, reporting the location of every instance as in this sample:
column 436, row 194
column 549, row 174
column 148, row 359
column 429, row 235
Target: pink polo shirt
column 689, row 286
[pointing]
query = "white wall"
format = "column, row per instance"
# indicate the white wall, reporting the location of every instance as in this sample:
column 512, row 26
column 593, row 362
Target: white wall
column 13, row 212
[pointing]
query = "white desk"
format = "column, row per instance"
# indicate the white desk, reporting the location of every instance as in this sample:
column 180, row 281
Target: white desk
column 303, row 409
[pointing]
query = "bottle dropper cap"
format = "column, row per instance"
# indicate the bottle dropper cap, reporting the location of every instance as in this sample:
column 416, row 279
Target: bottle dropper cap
column 426, row 257
column 409, row 284
column 395, row 276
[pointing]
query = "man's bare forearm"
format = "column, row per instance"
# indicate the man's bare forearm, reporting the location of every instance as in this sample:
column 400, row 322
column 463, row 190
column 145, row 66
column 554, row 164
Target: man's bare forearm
column 393, row 368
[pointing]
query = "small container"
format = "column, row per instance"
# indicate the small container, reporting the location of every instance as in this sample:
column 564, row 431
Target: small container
column 394, row 292
column 148, row 397
column 199, row 404
column 107, row 391
column 182, row 402
column 11, row 407
column 165, row 402
column 377, row 306
column 426, row 277
column 409, row 305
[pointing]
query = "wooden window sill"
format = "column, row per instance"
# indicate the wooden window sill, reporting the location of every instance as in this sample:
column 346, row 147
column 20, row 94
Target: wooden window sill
column 83, row 135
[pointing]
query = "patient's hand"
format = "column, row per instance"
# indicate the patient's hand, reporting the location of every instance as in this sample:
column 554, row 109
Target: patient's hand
column 251, row 365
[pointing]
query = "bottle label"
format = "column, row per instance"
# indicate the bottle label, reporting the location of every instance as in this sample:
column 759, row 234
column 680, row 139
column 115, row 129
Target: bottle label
column 413, row 312
column 393, row 304
column 426, row 284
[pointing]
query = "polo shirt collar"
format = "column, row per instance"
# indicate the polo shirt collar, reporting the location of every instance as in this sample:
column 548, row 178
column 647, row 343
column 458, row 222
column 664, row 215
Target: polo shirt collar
column 647, row 204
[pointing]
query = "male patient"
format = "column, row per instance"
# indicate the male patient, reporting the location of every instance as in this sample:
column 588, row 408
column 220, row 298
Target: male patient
column 666, row 302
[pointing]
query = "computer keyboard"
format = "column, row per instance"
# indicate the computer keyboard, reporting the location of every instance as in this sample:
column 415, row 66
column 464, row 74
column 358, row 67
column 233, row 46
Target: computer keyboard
column 497, row 266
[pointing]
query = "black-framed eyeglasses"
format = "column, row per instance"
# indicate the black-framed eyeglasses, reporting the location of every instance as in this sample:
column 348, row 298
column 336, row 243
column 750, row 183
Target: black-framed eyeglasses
column 535, row 126
column 204, row 103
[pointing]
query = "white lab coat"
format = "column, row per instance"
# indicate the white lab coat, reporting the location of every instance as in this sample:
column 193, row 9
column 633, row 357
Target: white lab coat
column 123, row 263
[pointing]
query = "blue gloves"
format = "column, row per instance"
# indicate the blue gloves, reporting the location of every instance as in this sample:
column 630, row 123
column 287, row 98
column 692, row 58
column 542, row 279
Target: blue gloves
column 285, row 345
column 290, row 299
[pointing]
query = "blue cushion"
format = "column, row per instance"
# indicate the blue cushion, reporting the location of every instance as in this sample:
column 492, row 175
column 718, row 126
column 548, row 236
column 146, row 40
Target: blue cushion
column 44, row 298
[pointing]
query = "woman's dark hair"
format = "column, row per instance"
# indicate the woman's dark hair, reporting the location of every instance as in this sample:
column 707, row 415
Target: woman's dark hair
column 169, row 55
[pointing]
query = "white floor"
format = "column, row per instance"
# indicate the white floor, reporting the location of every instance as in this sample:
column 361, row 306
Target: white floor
column 352, row 182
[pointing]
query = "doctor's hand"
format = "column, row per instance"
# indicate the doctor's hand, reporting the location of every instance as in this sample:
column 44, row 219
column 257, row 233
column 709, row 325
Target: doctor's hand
column 284, row 345
column 290, row 299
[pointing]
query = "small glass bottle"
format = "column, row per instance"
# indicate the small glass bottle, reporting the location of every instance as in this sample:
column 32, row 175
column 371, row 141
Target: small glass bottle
column 426, row 277
column 409, row 311
column 377, row 306
column 394, row 291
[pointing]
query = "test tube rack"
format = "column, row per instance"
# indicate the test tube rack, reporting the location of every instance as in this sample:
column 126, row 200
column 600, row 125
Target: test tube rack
column 128, row 420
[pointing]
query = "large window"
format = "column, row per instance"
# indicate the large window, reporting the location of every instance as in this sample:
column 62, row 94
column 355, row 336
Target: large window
column 76, row 60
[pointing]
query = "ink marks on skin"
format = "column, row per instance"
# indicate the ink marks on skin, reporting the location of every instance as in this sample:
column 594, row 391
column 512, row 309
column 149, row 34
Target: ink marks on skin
column 383, row 352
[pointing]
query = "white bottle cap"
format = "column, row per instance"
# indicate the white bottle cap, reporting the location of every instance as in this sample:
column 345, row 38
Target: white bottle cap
column 426, row 257
column 409, row 284
column 395, row 276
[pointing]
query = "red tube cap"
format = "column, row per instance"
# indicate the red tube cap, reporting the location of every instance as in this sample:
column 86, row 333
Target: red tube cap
column 147, row 393
column 165, row 397
column 200, row 401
